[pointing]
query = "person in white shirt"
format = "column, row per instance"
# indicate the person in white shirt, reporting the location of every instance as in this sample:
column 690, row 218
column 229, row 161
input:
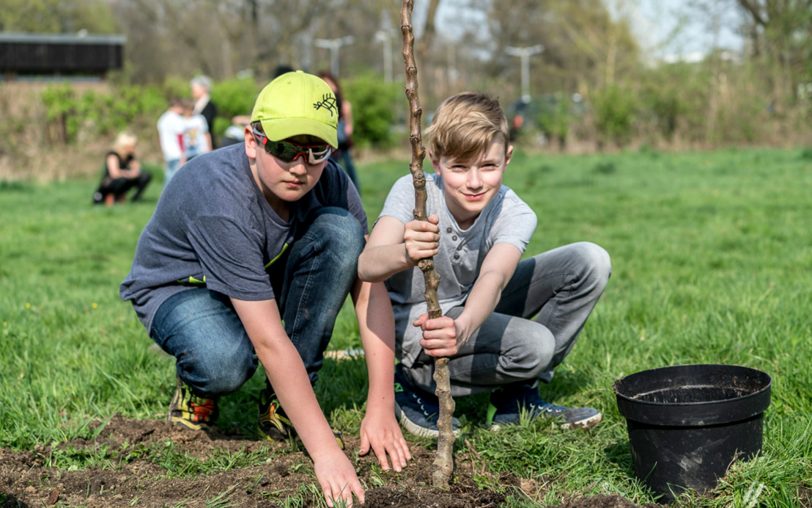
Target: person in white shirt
column 171, row 125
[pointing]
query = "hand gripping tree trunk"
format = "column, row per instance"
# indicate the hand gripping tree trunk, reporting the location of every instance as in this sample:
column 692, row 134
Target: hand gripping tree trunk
column 444, row 460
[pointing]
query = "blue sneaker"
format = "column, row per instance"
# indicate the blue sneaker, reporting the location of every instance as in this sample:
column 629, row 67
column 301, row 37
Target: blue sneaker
column 418, row 410
column 508, row 403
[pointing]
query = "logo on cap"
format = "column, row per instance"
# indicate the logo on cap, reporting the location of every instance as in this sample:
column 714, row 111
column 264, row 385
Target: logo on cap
column 328, row 102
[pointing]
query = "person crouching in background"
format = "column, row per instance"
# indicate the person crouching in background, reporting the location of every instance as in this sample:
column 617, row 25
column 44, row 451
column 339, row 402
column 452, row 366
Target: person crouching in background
column 122, row 172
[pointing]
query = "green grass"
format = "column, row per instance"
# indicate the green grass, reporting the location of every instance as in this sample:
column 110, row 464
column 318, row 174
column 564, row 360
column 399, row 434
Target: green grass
column 711, row 257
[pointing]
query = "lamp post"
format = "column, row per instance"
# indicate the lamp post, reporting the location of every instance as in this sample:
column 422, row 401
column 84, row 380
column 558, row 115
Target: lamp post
column 334, row 45
column 385, row 38
column 525, row 53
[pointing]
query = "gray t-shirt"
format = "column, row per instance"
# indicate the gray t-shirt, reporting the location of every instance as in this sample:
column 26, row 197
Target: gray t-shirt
column 506, row 219
column 212, row 225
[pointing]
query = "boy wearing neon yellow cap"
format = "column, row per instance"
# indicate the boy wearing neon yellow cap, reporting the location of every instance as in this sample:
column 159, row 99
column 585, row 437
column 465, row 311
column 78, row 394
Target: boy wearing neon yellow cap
column 249, row 256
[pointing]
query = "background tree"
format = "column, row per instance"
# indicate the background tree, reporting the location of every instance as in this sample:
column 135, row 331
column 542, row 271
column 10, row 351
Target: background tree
column 593, row 85
column 780, row 37
column 57, row 16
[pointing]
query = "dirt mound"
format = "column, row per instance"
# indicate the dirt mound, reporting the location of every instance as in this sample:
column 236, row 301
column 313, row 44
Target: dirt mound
column 129, row 459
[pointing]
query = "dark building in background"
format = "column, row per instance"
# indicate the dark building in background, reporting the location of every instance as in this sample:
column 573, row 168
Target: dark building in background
column 27, row 55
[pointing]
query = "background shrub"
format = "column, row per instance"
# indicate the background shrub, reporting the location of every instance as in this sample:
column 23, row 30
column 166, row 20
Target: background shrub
column 234, row 97
column 554, row 117
column 614, row 110
column 61, row 111
column 73, row 116
column 375, row 108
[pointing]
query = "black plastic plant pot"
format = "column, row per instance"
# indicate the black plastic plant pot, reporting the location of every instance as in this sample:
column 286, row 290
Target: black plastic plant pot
column 688, row 423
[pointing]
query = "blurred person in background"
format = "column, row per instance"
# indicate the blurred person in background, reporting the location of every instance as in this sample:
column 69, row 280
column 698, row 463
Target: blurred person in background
column 122, row 172
column 171, row 125
column 196, row 135
column 342, row 155
column 201, row 87
column 235, row 133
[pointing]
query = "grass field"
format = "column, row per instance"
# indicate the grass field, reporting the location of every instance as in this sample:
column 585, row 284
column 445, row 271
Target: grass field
column 711, row 264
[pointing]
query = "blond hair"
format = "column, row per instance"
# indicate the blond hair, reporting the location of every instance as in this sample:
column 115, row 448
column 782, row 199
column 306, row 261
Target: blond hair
column 123, row 140
column 465, row 125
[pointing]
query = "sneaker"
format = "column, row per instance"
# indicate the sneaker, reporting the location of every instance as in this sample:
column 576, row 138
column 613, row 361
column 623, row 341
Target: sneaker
column 190, row 410
column 274, row 424
column 507, row 405
column 418, row 410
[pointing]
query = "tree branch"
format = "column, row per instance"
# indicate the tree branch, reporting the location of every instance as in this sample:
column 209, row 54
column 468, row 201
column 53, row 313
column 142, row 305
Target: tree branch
column 444, row 460
column 754, row 10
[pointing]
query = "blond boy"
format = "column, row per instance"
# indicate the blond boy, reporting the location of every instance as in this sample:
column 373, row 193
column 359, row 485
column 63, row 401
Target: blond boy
column 507, row 323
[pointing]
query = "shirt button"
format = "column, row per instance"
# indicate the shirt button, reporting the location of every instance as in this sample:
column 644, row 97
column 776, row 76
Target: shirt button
column 456, row 256
column 454, row 238
column 447, row 230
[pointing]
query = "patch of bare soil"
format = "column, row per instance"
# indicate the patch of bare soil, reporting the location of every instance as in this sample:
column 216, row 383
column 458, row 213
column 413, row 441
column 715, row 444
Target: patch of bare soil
column 130, row 474
column 599, row 501
column 805, row 496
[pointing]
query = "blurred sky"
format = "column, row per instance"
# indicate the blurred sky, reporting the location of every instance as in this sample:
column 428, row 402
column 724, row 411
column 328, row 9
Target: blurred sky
column 667, row 29
column 674, row 29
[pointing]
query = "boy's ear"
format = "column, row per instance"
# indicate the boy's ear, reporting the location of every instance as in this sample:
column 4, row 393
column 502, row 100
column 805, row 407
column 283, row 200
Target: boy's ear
column 250, row 143
column 508, row 154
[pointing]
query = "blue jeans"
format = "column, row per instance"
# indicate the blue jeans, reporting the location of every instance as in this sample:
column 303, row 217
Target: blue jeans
column 170, row 169
column 203, row 332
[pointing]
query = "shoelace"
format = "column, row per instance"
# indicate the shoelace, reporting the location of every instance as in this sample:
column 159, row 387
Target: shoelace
column 416, row 398
column 423, row 409
column 549, row 408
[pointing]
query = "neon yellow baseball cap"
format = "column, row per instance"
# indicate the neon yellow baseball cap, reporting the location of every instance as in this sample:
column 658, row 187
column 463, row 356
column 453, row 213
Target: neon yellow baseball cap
column 297, row 103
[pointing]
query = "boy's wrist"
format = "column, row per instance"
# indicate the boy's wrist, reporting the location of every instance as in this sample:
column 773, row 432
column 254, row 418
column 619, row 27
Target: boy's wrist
column 463, row 325
column 406, row 258
column 325, row 450
column 382, row 404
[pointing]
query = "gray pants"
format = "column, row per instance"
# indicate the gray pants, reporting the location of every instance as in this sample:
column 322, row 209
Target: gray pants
column 534, row 326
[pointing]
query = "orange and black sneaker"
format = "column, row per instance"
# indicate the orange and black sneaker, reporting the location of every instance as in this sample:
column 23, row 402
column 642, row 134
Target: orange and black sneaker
column 273, row 423
column 190, row 410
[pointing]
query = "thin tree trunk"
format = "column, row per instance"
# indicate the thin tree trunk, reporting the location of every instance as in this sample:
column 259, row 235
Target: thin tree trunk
column 429, row 31
column 444, row 460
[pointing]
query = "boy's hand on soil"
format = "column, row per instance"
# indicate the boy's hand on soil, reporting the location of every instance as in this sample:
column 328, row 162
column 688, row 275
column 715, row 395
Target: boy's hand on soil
column 439, row 336
column 422, row 239
column 338, row 480
column 381, row 433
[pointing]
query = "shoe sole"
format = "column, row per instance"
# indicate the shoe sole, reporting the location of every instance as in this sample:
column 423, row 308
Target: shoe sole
column 587, row 423
column 417, row 430
column 274, row 436
column 186, row 424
